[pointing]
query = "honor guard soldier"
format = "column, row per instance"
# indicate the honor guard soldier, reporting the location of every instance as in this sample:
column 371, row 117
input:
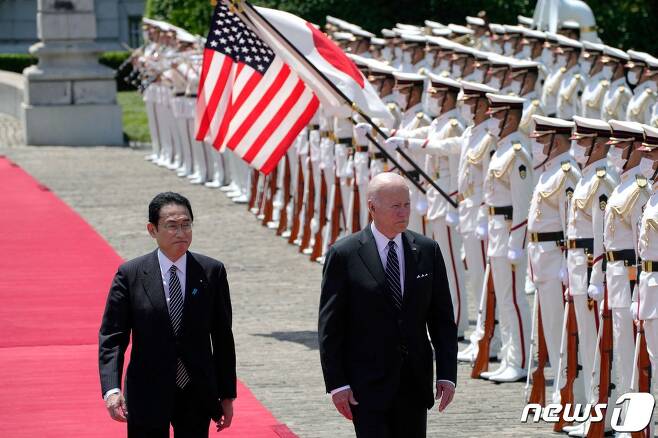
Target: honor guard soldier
column 507, row 195
column 522, row 81
column 497, row 32
column 571, row 88
column 598, row 80
column 644, row 81
column 511, row 46
column 409, row 91
column 477, row 146
column 413, row 53
column 547, row 226
column 440, row 143
column 617, row 96
column 480, row 36
column 531, row 45
column 646, row 300
column 584, row 243
column 622, row 216
column 555, row 76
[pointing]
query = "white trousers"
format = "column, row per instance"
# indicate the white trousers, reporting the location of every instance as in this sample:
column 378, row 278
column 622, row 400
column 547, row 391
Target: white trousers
column 152, row 117
column 587, row 337
column 513, row 310
column 450, row 244
column 475, row 251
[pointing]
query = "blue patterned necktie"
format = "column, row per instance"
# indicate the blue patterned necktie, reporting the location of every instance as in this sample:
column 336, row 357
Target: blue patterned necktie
column 393, row 274
column 176, row 316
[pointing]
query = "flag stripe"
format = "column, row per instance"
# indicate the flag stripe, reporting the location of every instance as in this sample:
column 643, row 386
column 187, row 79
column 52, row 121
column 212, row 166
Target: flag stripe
column 220, row 66
column 275, row 121
column 250, row 123
column 268, row 163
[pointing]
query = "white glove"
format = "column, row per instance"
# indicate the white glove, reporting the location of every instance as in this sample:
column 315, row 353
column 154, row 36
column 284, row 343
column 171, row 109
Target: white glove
column 361, row 130
column 514, row 256
column 564, row 276
column 395, row 142
column 635, row 310
column 481, row 232
column 452, row 218
column 595, row 292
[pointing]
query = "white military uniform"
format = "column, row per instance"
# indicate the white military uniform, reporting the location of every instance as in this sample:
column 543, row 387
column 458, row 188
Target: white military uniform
column 615, row 100
column 571, row 89
column 477, row 146
column 551, row 89
column 592, row 98
column 585, row 256
column 506, row 187
column 547, row 214
column 622, row 215
column 641, row 104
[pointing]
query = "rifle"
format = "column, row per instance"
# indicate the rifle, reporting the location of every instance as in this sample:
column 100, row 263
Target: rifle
column 283, row 216
column 253, row 190
column 597, row 430
column 570, row 331
column 270, row 190
column 317, row 244
column 336, row 211
column 538, row 391
column 356, row 207
column 298, row 203
column 310, row 207
column 481, row 362
column 641, row 365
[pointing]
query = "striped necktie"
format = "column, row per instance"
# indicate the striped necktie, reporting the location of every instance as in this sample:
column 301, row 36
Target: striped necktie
column 393, row 274
column 176, row 316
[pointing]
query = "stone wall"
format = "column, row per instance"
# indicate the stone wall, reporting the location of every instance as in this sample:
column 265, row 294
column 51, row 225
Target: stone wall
column 18, row 28
column 12, row 90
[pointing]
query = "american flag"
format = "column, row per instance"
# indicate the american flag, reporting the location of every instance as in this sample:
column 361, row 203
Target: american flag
column 249, row 100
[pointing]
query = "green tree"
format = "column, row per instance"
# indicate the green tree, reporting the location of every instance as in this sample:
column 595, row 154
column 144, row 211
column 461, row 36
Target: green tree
column 625, row 24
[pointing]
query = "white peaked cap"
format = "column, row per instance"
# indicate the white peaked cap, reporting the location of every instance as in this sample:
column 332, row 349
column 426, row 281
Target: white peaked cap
column 533, row 33
column 637, row 56
column 476, row 86
column 413, row 77
column 526, row 21
column 590, row 46
column 596, row 124
column 434, row 24
column 615, row 53
column 476, row 21
column 569, row 42
column 496, row 28
column 442, row 31
column 504, row 98
column 463, row 30
column 443, row 80
column 624, row 126
column 552, row 121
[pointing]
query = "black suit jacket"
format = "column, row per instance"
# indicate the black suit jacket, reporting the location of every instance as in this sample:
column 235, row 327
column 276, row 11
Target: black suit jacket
column 136, row 305
column 364, row 338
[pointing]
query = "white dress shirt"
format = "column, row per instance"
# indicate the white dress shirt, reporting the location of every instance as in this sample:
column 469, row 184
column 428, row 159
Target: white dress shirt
column 382, row 249
column 165, row 265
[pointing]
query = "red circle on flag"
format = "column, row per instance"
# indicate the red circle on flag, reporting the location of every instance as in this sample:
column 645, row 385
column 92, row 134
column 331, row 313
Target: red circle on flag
column 334, row 55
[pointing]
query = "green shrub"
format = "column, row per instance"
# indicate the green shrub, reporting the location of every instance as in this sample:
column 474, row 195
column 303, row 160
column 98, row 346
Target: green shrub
column 16, row 62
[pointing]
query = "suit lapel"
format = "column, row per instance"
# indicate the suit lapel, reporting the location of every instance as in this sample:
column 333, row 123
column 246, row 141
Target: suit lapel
column 370, row 256
column 153, row 286
column 195, row 285
column 411, row 257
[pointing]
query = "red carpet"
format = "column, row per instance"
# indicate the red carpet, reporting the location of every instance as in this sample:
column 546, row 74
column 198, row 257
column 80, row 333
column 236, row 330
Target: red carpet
column 55, row 274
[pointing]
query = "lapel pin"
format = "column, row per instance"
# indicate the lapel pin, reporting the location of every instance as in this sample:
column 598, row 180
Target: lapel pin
column 194, row 291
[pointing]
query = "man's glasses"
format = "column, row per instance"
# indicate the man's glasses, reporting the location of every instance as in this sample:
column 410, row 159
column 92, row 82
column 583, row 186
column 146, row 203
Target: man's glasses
column 173, row 228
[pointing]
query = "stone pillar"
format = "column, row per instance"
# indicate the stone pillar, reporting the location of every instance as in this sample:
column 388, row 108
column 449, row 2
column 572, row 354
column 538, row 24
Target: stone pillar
column 70, row 99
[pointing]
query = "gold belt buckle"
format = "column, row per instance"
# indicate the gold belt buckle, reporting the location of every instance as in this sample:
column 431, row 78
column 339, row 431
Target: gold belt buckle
column 534, row 237
column 491, row 210
column 609, row 255
column 647, row 265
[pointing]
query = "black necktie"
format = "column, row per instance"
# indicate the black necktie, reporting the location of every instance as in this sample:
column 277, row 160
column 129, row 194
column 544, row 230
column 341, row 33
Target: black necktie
column 393, row 274
column 176, row 315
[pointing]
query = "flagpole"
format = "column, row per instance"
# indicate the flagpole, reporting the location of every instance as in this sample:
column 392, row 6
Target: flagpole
column 367, row 118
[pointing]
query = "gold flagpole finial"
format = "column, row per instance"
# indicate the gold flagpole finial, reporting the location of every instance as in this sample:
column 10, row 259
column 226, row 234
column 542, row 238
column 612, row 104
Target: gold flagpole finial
column 213, row 2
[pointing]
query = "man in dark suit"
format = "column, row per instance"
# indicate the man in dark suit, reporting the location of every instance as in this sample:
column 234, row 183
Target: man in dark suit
column 176, row 306
column 383, row 290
